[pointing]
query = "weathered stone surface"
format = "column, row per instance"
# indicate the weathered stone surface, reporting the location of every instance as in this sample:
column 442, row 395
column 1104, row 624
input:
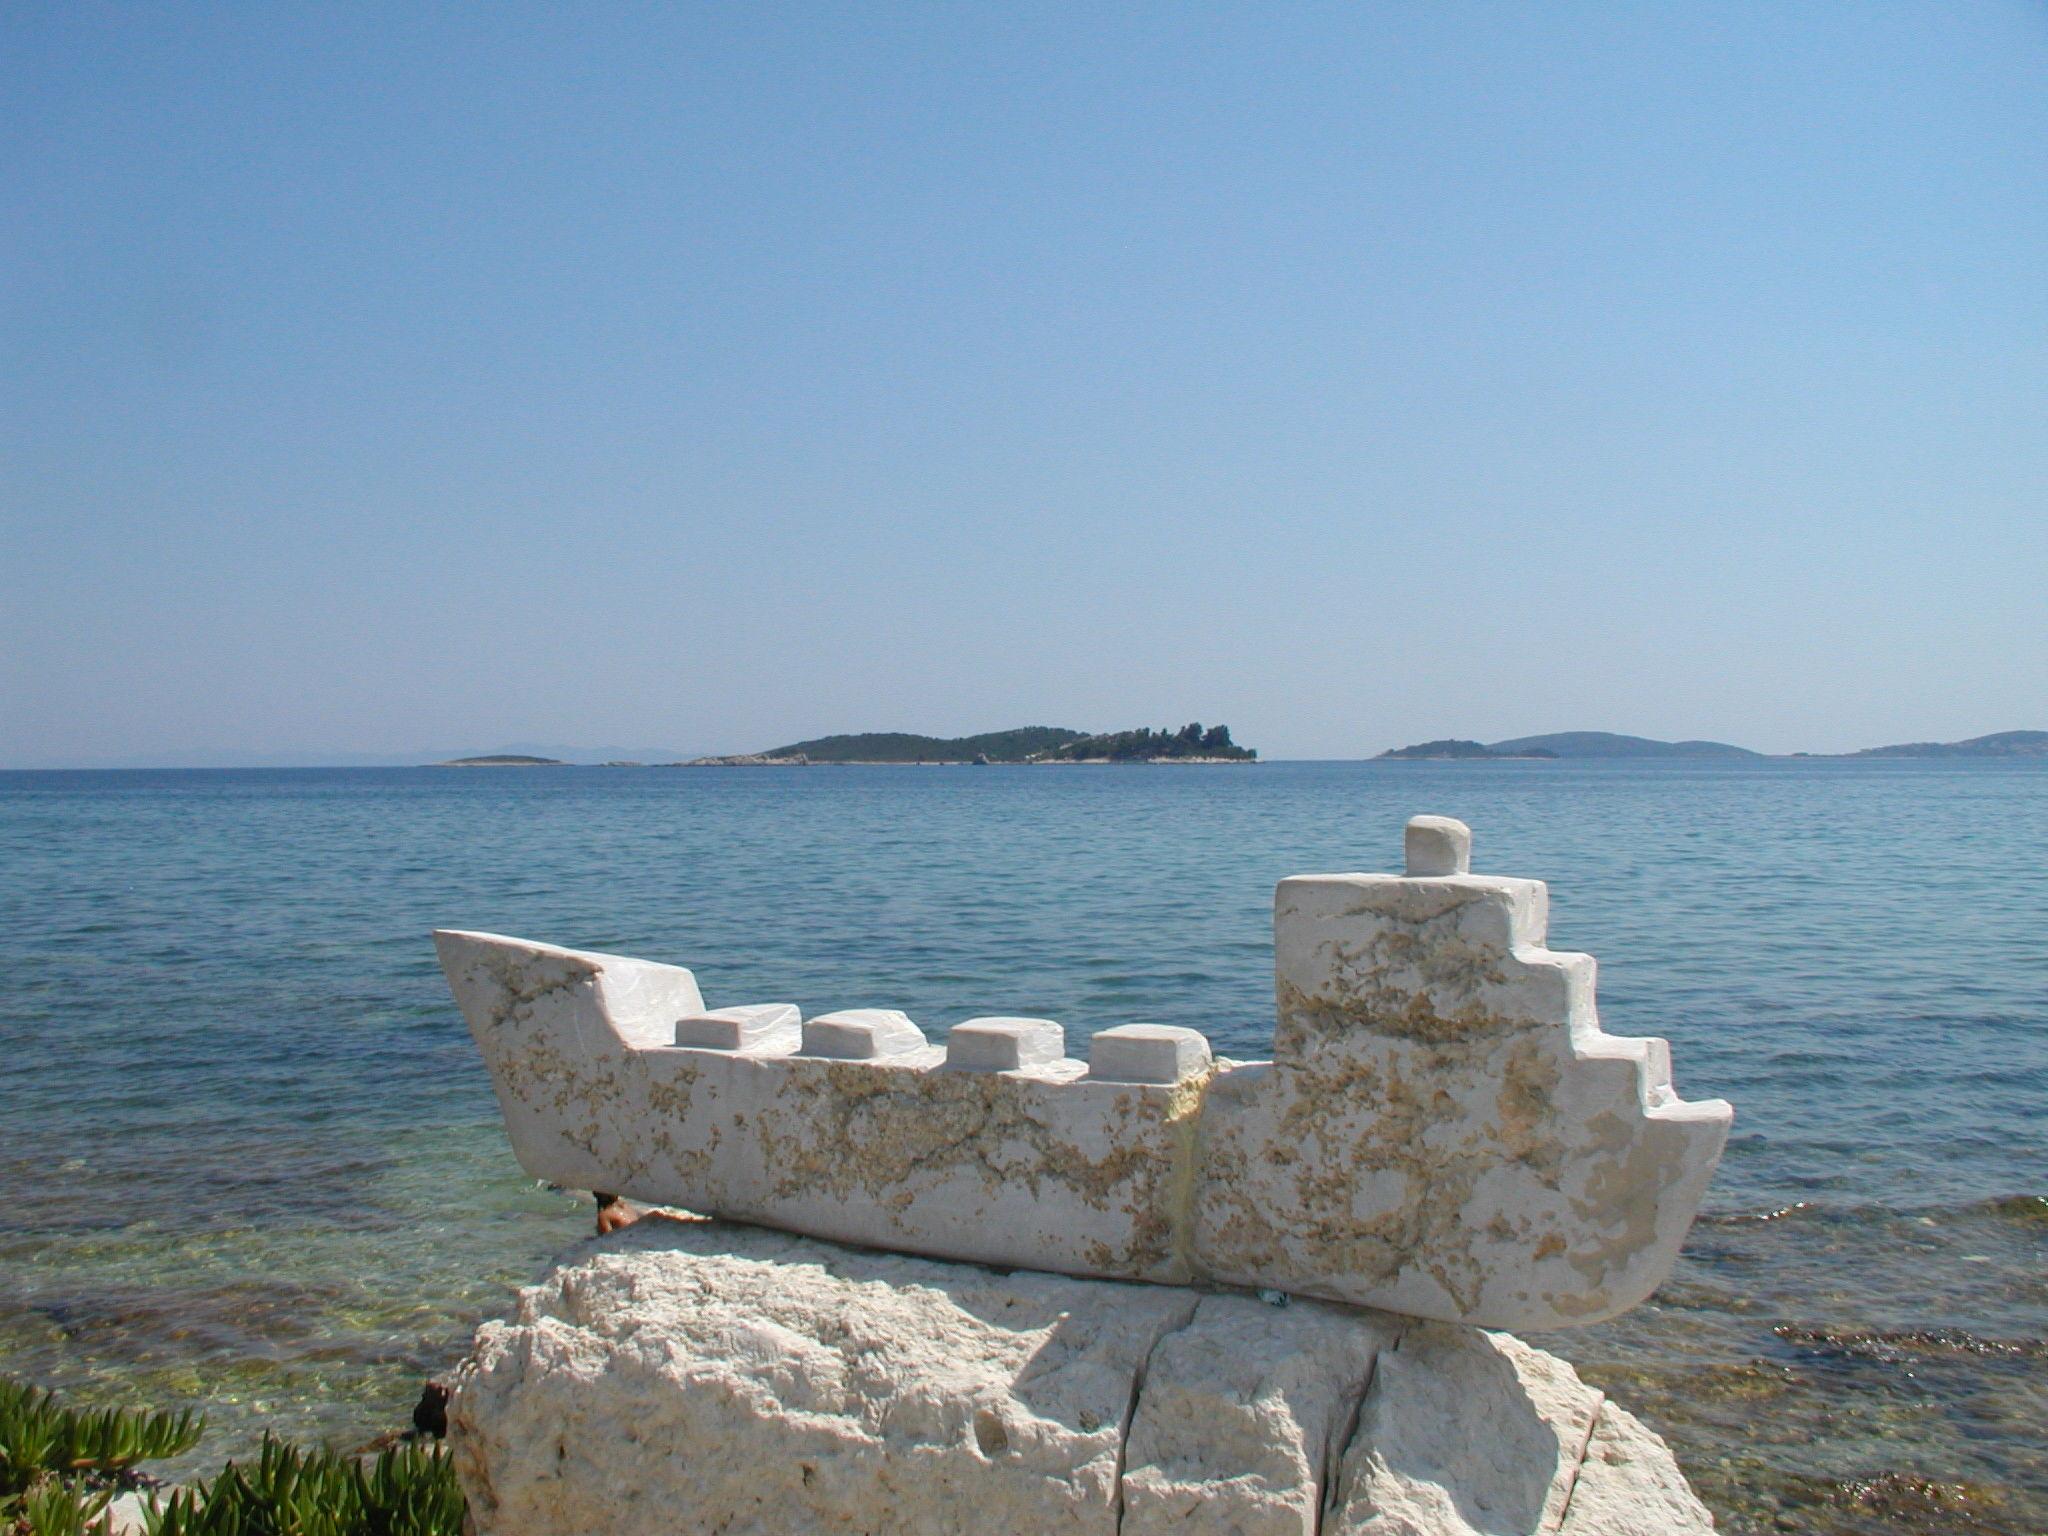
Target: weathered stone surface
column 763, row 1026
column 1243, row 1415
column 1437, row 845
column 1465, row 1433
column 698, row 1376
column 1041, row 1164
column 1629, row 1485
column 1444, row 1130
column 1148, row 1053
column 1004, row 1045
column 694, row 1376
column 860, row 1034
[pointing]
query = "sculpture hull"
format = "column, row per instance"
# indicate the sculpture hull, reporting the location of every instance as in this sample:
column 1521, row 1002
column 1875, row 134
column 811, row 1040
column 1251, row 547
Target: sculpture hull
column 1444, row 1131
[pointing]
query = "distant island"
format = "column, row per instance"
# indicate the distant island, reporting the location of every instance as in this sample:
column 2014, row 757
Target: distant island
column 1196, row 743
column 1023, row 744
column 1453, row 748
column 1611, row 744
column 1584, row 745
column 1011, row 746
column 1999, row 744
column 508, row 760
column 1568, row 744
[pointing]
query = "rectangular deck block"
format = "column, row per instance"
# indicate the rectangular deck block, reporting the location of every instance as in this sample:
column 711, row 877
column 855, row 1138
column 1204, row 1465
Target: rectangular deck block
column 1437, row 845
column 1004, row 1044
column 1147, row 1053
column 861, row 1034
column 758, row 1027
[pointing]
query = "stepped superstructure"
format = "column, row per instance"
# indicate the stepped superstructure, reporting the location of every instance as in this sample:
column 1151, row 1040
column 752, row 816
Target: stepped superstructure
column 1443, row 1130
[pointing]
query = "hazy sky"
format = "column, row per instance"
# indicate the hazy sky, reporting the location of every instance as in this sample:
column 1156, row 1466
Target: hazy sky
column 375, row 381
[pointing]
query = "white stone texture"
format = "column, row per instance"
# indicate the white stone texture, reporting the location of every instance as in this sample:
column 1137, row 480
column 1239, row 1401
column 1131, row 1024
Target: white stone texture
column 1444, row 1130
column 1465, row 1433
column 1243, row 1415
column 1004, row 1045
column 697, row 1376
column 564, row 1033
column 1147, row 1053
column 1036, row 1165
column 1437, row 845
column 860, row 1034
column 1629, row 1485
column 700, row 1377
column 758, row 1027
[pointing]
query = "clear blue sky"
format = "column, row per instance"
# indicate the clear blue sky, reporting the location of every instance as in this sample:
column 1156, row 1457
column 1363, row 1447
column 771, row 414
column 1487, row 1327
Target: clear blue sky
column 706, row 377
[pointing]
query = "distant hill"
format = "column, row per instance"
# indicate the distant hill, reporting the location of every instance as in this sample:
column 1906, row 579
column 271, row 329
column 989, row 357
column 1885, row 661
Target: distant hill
column 556, row 751
column 1145, row 745
column 1608, row 744
column 1025, row 744
column 505, row 760
column 1013, row 746
column 1999, row 744
column 1453, row 748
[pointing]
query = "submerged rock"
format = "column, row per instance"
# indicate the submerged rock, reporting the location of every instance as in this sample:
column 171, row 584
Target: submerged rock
column 696, row 1375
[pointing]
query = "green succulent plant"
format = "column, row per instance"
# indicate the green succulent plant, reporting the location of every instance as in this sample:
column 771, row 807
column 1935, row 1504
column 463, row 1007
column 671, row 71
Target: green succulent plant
column 38, row 1438
column 289, row 1491
column 54, row 1508
column 56, row 1465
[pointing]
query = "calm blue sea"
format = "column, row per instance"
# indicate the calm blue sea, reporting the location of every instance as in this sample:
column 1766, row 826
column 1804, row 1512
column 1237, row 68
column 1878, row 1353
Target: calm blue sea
column 247, row 1156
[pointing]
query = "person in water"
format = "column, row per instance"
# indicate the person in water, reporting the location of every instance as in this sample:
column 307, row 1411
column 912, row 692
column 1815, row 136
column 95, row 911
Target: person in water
column 614, row 1213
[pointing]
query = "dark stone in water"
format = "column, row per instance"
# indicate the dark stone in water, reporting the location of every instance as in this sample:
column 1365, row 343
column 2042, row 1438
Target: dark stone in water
column 1897, row 1502
column 2025, row 1208
column 1905, row 1345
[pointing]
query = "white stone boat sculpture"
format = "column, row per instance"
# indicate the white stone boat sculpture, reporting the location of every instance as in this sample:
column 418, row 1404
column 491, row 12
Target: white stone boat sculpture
column 1444, row 1131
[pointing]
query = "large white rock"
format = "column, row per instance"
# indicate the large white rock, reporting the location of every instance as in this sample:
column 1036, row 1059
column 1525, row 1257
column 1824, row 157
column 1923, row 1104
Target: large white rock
column 695, row 1376
column 1243, row 1415
column 1444, row 1130
column 1629, row 1485
column 1465, row 1433
column 698, row 1376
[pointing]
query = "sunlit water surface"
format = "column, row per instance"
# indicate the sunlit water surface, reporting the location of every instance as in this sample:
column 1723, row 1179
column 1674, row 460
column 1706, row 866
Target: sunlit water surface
column 248, row 1157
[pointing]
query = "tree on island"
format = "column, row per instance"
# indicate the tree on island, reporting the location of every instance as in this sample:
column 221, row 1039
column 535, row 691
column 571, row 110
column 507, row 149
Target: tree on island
column 1025, row 744
column 1146, row 744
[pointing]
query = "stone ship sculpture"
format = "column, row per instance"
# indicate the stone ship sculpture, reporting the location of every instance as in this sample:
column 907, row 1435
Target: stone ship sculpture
column 1444, row 1131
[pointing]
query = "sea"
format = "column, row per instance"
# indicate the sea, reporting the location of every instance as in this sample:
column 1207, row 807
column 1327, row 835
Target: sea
column 249, row 1160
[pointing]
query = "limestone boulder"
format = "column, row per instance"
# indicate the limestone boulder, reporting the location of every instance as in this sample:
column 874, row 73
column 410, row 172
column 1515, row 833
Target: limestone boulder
column 1628, row 1485
column 1465, row 1433
column 1243, row 1413
column 695, row 1375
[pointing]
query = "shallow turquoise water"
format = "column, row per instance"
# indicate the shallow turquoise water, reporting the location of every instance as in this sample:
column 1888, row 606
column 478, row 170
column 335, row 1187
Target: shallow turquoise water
column 247, row 1154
